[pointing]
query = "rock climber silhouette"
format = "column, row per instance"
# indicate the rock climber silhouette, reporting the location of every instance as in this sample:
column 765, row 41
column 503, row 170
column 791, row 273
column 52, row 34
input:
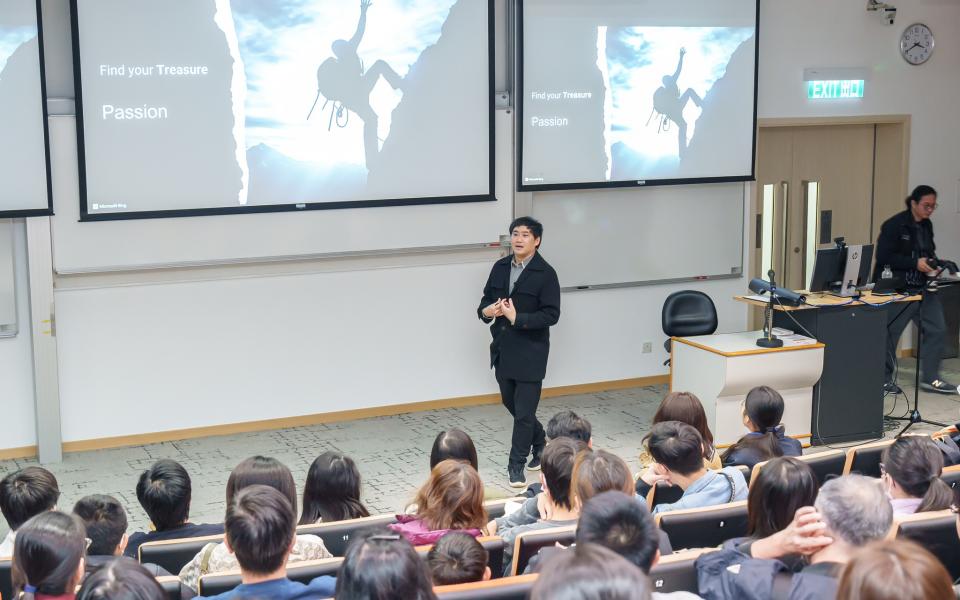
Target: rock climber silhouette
column 668, row 101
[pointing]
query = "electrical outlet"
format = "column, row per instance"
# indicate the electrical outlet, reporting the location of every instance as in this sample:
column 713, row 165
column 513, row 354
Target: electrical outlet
column 647, row 347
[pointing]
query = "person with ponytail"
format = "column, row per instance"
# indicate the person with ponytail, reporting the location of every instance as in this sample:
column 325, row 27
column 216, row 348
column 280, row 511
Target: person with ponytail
column 332, row 490
column 48, row 555
column 762, row 412
column 910, row 471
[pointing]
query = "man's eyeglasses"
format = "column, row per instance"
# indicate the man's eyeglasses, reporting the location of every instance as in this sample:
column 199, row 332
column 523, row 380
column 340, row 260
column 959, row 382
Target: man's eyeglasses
column 929, row 207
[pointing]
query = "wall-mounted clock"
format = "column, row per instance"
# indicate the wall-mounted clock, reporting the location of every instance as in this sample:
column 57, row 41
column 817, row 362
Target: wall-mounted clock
column 916, row 44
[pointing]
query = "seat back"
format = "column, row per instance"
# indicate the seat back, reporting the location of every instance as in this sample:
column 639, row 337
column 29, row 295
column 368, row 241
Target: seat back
column 746, row 471
column 704, row 527
column 170, row 585
column 663, row 493
column 937, row 532
column 6, row 578
column 336, row 536
column 951, row 475
column 507, row 588
column 304, row 572
column 676, row 573
column 496, row 508
column 688, row 312
column 825, row 465
column 492, row 544
column 865, row 459
column 529, row 543
column 172, row 555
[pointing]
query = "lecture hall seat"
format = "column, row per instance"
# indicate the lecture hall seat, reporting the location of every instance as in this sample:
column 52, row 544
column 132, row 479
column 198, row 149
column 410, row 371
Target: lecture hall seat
column 704, row 527
column 529, row 543
column 936, row 531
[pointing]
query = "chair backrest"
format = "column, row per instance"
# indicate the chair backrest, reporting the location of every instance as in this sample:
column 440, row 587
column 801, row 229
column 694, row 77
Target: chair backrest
column 529, row 543
column 704, row 527
column 336, row 536
column 689, row 312
column 676, row 572
column 951, row 475
column 746, row 471
column 663, row 493
column 170, row 585
column 304, row 572
column 937, row 532
column 865, row 459
column 496, row 508
column 6, row 578
column 492, row 544
column 172, row 555
column 506, row 588
column 825, row 465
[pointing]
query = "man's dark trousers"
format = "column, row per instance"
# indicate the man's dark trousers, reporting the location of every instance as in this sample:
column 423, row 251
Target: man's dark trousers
column 522, row 398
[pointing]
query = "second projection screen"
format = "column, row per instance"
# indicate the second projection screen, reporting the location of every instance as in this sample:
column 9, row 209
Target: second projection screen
column 208, row 106
column 637, row 93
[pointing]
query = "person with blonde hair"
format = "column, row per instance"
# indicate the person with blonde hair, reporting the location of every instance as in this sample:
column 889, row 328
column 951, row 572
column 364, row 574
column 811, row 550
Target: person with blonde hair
column 451, row 500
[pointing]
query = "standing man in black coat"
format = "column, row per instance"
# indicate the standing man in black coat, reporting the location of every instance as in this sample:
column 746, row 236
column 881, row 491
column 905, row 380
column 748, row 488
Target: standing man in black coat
column 906, row 245
column 521, row 301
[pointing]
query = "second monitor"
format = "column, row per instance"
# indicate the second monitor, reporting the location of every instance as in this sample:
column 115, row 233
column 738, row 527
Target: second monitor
column 842, row 269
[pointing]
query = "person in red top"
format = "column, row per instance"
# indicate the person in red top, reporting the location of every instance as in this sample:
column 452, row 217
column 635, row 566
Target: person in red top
column 451, row 500
column 48, row 555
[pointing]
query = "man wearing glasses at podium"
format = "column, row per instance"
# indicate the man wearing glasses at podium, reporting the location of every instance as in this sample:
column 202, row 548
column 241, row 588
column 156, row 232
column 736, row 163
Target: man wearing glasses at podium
column 906, row 246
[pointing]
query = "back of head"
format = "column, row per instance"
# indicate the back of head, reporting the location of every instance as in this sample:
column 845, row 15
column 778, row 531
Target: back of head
column 895, row 570
column 121, row 579
column 457, row 557
column 48, row 554
column 260, row 527
column 332, row 490
column 452, row 498
column 915, row 464
column 590, row 572
column 855, row 509
column 598, row 471
column 164, row 493
column 262, row 470
column 557, row 464
column 764, row 408
column 381, row 565
column 105, row 522
column 453, row 444
column 618, row 522
column 686, row 408
column 676, row 446
column 568, row 424
column 27, row 493
column 783, row 485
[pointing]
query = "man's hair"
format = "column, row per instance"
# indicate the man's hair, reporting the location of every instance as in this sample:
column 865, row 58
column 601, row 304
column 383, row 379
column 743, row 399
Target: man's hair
column 27, row 493
column 616, row 521
column 260, row 527
column 164, row 493
column 105, row 520
column 677, row 446
column 590, row 572
column 598, row 471
column 457, row 557
column 557, row 461
column 568, row 424
column 855, row 509
column 535, row 226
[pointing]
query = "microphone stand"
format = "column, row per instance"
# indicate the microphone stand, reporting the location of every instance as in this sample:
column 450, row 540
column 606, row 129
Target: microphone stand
column 769, row 340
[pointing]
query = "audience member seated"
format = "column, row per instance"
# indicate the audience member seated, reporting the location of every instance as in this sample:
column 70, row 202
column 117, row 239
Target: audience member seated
column 677, row 449
column 454, row 444
column 382, row 565
column 783, row 486
column 120, row 579
column 590, row 572
column 910, row 470
column 557, row 508
column 332, row 490
column 105, row 522
column 164, row 492
column 261, row 531
column 686, row 408
column 451, row 500
column 257, row 470
column 762, row 412
column 849, row 512
column 895, row 570
column 23, row 495
column 48, row 557
column 458, row 557
column 564, row 424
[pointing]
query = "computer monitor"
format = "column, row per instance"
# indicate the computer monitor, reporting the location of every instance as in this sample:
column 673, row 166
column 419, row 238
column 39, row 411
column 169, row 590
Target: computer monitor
column 842, row 269
column 827, row 269
column 856, row 268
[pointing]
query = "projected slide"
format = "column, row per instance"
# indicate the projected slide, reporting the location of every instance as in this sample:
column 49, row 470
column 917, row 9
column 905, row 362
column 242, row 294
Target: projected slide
column 649, row 92
column 23, row 156
column 208, row 106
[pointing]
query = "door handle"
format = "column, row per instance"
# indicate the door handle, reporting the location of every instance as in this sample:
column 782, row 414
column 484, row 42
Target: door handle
column 796, row 250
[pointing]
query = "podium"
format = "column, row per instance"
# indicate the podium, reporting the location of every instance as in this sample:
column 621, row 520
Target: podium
column 721, row 369
column 848, row 400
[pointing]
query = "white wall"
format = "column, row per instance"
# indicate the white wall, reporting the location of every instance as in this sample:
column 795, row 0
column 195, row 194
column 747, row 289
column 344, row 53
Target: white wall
column 16, row 359
column 229, row 350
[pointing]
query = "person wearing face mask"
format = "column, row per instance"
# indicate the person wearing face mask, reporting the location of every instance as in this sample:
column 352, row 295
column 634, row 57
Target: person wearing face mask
column 910, row 470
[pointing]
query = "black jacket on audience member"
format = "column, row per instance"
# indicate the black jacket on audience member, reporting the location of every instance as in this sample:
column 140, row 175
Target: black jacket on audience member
column 187, row 530
column 519, row 351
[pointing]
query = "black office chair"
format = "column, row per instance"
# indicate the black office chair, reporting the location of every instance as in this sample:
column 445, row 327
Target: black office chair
column 686, row 313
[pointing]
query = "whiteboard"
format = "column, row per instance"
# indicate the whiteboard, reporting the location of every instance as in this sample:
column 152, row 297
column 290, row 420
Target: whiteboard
column 8, row 284
column 223, row 239
column 634, row 237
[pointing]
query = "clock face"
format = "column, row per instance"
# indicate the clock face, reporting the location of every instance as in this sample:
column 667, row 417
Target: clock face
column 916, row 44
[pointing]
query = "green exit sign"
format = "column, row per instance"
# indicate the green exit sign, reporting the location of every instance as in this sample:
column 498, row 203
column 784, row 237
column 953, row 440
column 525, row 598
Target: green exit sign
column 833, row 89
